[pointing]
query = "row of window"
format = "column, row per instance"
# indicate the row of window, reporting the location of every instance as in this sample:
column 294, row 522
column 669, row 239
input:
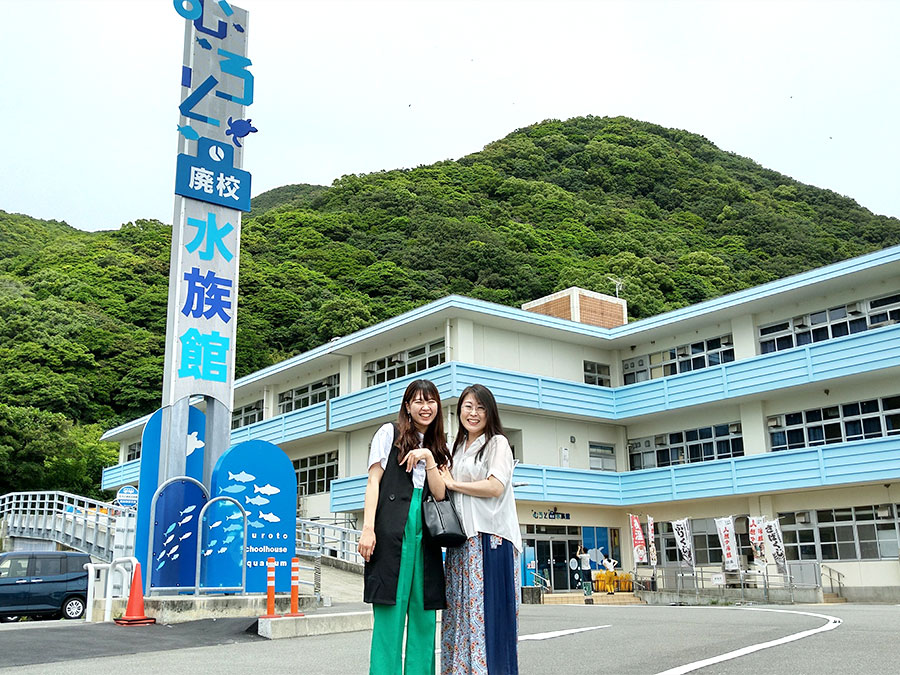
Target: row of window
column 405, row 363
column 702, row 444
column 835, row 424
column 248, row 414
column 826, row 324
column 133, row 452
column 309, row 394
column 850, row 533
column 314, row 474
column 681, row 359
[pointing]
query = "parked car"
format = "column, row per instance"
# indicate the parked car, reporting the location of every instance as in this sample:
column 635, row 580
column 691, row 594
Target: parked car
column 38, row 583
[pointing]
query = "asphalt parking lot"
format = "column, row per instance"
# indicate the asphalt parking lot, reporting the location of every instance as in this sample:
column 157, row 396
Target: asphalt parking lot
column 571, row 639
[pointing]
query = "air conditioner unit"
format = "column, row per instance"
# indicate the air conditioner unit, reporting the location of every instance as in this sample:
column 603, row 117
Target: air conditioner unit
column 659, row 440
column 682, row 350
column 734, row 428
column 803, row 517
column 399, row 357
column 370, row 367
column 775, row 421
column 800, row 322
column 855, row 308
column 727, row 340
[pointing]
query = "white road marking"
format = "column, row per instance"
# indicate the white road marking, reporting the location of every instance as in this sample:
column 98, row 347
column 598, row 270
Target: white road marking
column 832, row 623
column 551, row 634
column 559, row 633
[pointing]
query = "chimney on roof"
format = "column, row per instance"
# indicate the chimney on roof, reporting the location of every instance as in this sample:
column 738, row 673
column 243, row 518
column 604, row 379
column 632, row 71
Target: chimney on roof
column 578, row 304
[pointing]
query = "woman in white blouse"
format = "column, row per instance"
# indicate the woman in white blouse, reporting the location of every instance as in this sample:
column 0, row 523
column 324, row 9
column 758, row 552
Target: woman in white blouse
column 479, row 628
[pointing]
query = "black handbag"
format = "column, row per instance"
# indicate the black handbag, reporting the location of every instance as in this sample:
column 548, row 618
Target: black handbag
column 442, row 522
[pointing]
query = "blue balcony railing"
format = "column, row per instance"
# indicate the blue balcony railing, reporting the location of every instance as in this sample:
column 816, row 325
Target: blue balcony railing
column 840, row 464
column 851, row 355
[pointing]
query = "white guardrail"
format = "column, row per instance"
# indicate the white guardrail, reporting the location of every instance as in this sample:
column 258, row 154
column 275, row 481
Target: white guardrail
column 333, row 541
column 80, row 523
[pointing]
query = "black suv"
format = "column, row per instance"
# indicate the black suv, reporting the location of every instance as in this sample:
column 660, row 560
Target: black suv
column 37, row 583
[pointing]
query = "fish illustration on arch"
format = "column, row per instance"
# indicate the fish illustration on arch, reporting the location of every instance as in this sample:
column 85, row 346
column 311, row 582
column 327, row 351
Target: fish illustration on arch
column 242, row 477
column 185, row 536
column 267, row 489
column 160, row 566
column 168, row 539
column 232, row 528
column 170, row 528
column 229, row 539
column 269, row 517
column 257, row 501
column 207, row 552
column 255, row 523
column 193, row 443
column 222, row 550
column 213, row 543
column 185, row 520
column 175, row 557
column 173, row 549
column 187, row 510
column 234, row 489
column 203, row 42
column 215, row 524
column 234, row 516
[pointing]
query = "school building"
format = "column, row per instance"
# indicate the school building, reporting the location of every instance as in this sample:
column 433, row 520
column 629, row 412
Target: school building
column 782, row 400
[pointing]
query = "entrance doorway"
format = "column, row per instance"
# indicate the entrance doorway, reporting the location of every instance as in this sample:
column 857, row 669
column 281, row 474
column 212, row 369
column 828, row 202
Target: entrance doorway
column 554, row 546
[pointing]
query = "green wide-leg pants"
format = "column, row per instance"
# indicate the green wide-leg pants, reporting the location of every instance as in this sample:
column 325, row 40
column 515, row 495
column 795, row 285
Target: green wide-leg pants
column 389, row 620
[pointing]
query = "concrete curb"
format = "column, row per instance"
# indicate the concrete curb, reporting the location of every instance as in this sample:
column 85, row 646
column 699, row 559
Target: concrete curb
column 315, row 624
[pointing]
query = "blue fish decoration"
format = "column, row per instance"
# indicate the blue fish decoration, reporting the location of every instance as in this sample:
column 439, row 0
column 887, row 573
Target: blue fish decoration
column 203, row 42
column 171, row 527
column 255, row 523
column 234, row 489
column 232, row 528
column 159, row 567
column 188, row 132
column 238, row 27
column 229, row 539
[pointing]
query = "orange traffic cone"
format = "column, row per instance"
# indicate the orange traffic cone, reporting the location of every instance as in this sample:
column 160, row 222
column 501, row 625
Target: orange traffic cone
column 134, row 611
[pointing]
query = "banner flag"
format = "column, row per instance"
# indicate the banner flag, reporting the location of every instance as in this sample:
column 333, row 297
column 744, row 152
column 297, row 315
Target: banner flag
column 651, row 542
column 757, row 540
column 637, row 538
column 684, row 541
column 725, row 528
column 776, row 544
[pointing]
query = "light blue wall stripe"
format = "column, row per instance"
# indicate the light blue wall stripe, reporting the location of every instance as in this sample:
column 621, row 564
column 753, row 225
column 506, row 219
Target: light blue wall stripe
column 841, row 464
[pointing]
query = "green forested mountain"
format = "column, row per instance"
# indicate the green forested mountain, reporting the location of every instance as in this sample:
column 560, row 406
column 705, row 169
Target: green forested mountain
column 82, row 315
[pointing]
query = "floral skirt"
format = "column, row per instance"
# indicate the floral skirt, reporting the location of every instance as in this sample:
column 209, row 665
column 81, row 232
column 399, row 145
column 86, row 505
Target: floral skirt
column 479, row 627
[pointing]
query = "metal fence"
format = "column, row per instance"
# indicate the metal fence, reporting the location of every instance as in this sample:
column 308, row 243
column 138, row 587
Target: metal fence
column 329, row 540
column 80, row 523
column 762, row 584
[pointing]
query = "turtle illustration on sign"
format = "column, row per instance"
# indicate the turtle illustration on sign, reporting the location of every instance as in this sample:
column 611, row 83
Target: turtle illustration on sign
column 238, row 129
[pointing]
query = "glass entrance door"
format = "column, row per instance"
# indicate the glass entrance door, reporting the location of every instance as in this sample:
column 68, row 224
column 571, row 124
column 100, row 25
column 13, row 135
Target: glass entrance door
column 560, row 564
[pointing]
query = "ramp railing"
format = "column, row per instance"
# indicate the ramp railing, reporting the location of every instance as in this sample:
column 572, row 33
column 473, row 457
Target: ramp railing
column 329, row 540
column 80, row 523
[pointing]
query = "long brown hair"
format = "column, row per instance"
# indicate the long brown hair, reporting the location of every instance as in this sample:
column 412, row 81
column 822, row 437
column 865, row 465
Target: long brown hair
column 408, row 436
column 492, row 425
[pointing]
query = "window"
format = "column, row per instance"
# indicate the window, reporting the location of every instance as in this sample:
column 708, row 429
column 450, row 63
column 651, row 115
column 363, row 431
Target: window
column 681, row 359
column 314, row 474
column 602, row 457
column 840, row 423
column 405, row 363
column 249, row 414
column 719, row 441
column 45, row 566
column 843, row 533
column 596, row 374
column 133, row 452
column 309, row 394
column 14, row 566
column 826, row 324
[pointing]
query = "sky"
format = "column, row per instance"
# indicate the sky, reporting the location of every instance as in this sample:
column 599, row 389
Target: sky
column 89, row 89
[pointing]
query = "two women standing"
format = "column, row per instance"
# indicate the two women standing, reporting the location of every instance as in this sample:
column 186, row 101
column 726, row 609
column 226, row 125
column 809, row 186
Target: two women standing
column 404, row 579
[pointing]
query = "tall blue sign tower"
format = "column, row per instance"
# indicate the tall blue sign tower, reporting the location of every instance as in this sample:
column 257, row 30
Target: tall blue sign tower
column 181, row 540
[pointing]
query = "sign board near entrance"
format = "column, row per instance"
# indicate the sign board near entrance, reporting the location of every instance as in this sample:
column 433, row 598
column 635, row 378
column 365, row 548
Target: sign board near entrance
column 127, row 496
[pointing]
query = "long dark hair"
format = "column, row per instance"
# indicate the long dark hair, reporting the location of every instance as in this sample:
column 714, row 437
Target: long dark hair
column 408, row 435
column 492, row 426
